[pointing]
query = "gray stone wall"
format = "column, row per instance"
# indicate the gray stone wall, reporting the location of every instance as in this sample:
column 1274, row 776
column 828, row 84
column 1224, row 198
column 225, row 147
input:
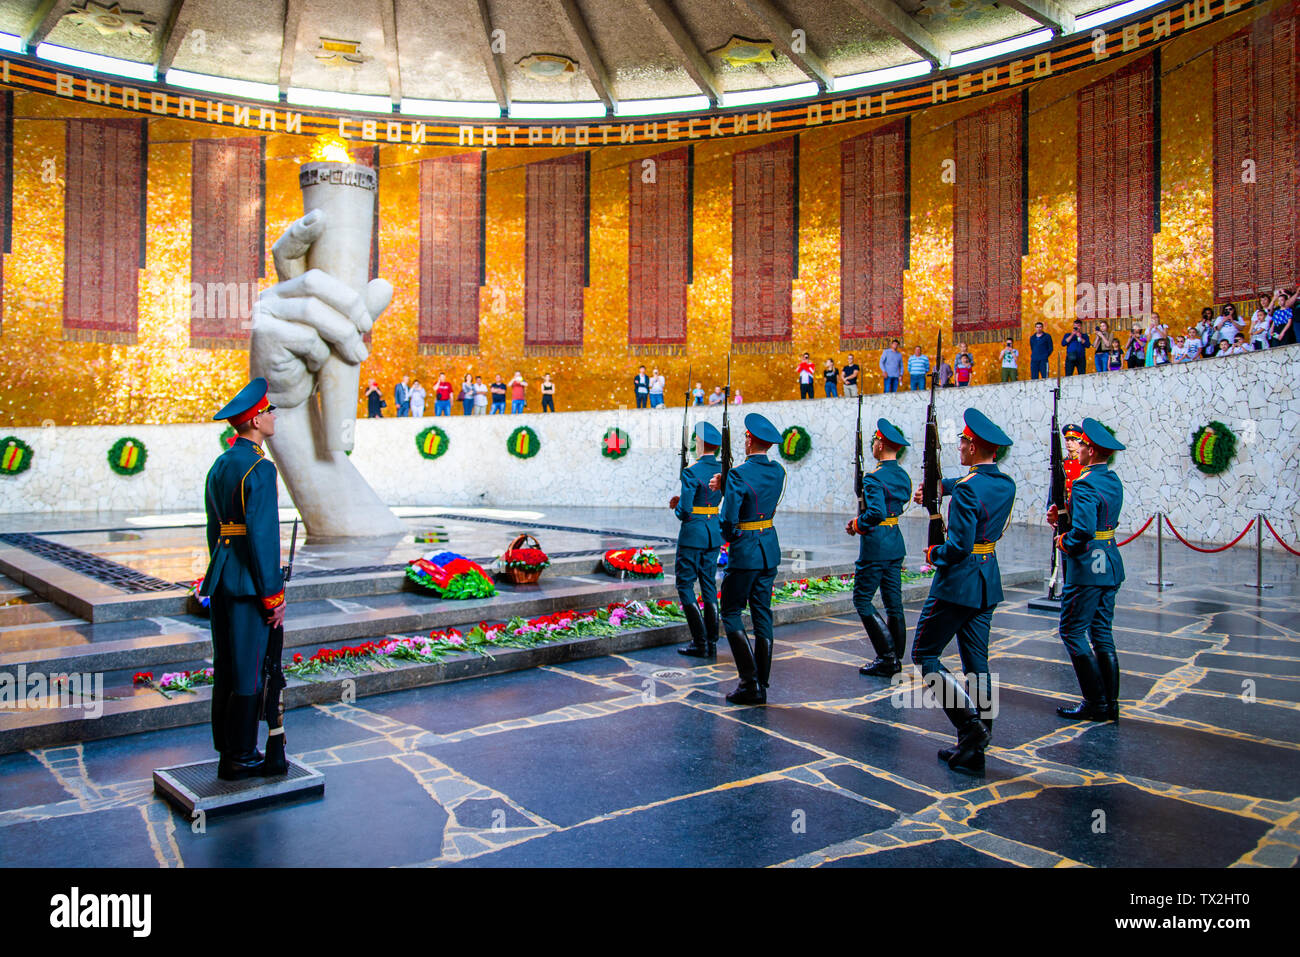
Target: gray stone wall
column 1154, row 411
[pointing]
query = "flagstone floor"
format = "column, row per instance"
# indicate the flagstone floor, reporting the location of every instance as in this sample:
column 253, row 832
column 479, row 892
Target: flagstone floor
column 637, row 760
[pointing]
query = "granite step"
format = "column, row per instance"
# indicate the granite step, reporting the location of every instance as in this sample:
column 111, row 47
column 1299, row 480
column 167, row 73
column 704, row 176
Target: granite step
column 126, row 709
column 32, row 611
column 147, row 644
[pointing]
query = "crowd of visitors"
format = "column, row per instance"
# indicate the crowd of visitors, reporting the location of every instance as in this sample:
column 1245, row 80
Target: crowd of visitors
column 475, row 397
column 1272, row 324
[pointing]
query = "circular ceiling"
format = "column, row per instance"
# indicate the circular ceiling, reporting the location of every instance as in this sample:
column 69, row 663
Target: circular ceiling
column 498, row 57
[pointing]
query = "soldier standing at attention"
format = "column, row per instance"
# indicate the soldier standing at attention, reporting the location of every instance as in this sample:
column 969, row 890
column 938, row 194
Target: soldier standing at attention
column 754, row 490
column 244, row 578
column 885, row 490
column 1094, row 571
column 967, row 586
column 698, row 543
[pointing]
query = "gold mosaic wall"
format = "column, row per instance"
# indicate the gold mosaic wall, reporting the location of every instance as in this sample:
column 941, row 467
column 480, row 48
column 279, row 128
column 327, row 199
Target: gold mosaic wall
column 162, row 380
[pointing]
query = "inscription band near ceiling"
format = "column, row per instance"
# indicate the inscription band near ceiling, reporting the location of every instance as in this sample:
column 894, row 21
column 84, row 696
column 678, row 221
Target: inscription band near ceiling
column 1060, row 56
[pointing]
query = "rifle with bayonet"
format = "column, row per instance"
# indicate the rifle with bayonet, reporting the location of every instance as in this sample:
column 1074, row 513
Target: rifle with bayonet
column 725, row 457
column 686, row 421
column 273, row 685
column 931, row 477
column 858, row 464
column 1057, row 478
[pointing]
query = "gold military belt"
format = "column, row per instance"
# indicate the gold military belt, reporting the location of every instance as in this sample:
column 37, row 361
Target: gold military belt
column 705, row 510
column 233, row 528
column 983, row 548
column 754, row 526
column 1104, row 536
column 889, row 522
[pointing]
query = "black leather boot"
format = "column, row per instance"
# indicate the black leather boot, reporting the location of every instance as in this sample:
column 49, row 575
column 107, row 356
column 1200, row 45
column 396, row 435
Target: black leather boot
column 711, row 628
column 749, row 691
column 898, row 631
column 945, row 754
column 886, row 664
column 1094, row 706
column 763, row 660
column 698, row 648
column 972, row 735
column 241, row 758
column 1108, row 665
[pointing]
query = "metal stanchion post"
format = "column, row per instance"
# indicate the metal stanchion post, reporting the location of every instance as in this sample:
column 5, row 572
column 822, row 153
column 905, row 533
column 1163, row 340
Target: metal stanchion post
column 1258, row 583
column 1160, row 582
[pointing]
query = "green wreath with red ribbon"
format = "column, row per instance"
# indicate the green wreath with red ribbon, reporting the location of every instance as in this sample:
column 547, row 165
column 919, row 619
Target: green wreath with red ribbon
column 431, row 442
column 1213, row 447
column 615, row 444
column 795, row 443
column 523, row 443
column 228, row 437
column 15, row 455
column 127, row 456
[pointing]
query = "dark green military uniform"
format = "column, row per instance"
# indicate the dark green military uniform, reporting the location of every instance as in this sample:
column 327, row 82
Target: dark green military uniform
column 1094, row 572
column 244, row 579
column 886, row 490
column 698, row 543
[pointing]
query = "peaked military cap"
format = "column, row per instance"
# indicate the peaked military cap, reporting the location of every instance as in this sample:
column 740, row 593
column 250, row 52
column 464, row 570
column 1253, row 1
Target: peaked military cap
column 1098, row 435
column 980, row 426
column 248, row 402
column 708, row 433
column 891, row 433
column 761, row 429
column 1072, row 430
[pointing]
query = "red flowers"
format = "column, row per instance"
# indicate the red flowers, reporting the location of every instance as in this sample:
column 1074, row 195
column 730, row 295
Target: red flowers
column 142, row 678
column 530, row 558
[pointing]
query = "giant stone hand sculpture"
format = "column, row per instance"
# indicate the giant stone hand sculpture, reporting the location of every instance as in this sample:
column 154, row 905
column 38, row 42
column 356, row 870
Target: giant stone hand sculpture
column 306, row 341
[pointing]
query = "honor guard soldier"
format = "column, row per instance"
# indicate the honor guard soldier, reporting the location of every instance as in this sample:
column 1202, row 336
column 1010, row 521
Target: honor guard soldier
column 1094, row 571
column 244, row 579
column 885, row 492
column 967, row 586
column 754, row 490
column 1072, row 434
column 698, row 543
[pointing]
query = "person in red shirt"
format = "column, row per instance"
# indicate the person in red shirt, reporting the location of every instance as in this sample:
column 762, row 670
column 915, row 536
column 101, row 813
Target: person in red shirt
column 442, row 396
column 517, row 386
column 806, row 374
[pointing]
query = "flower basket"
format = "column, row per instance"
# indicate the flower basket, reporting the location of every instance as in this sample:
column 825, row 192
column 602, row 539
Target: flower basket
column 632, row 563
column 521, row 563
column 449, row 575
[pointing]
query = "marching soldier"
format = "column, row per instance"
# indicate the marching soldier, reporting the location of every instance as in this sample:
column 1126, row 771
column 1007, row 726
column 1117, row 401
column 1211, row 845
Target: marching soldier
column 885, row 490
column 754, row 490
column 698, row 543
column 967, row 586
column 1094, row 571
column 244, row 579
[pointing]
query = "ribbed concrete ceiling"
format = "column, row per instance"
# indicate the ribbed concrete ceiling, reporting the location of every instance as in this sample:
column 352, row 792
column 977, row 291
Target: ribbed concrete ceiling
column 471, row 50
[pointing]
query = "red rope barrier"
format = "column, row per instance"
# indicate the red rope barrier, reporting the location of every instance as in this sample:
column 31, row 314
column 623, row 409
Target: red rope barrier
column 1137, row 533
column 1270, row 527
column 1249, row 526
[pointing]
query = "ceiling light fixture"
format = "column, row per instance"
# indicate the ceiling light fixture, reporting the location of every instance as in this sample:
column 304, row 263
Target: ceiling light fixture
column 459, row 108
column 220, row 84
column 771, row 94
column 97, row 62
column 856, row 81
column 671, row 104
column 556, row 111
column 1118, row 12
column 339, row 101
column 992, row 50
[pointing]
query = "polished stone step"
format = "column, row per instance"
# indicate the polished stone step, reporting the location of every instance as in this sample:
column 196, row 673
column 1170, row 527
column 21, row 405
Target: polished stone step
column 128, row 710
column 166, row 640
